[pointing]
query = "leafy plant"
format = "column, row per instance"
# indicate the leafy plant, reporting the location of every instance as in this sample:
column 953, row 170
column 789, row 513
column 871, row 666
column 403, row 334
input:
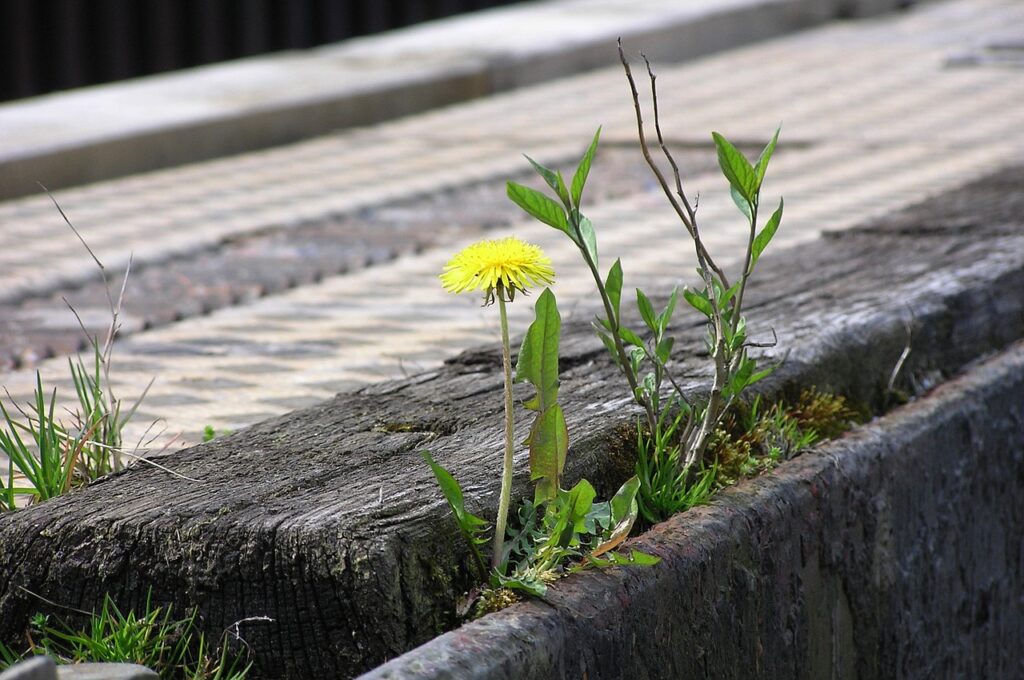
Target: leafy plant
column 154, row 638
column 666, row 487
column 756, row 437
column 210, row 433
column 558, row 526
column 643, row 357
column 51, row 456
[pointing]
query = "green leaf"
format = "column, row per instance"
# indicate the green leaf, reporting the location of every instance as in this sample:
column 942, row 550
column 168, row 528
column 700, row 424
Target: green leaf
column 766, row 155
column 469, row 524
column 530, row 586
column 609, row 344
column 664, row 349
column 636, row 356
column 650, row 384
column 629, row 337
column 729, row 295
column 581, row 497
column 646, row 311
column 765, row 235
column 613, row 287
column 579, row 179
column 736, row 168
column 666, row 315
column 741, row 203
column 740, row 379
column 548, row 441
column 589, row 238
column 539, row 206
column 552, row 179
column 698, row 302
column 538, row 356
column 643, row 559
column 571, row 508
column 623, row 514
column 760, row 375
column 622, row 502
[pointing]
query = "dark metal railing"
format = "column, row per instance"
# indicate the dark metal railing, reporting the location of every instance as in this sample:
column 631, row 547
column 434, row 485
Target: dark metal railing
column 48, row 45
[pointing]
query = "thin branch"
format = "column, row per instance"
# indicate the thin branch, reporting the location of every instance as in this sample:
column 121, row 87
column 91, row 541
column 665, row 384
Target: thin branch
column 702, row 251
column 55, row 604
column 143, row 459
column 761, row 345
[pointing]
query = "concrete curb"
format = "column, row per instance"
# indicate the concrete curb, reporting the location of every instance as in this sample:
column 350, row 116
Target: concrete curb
column 108, row 131
column 839, row 564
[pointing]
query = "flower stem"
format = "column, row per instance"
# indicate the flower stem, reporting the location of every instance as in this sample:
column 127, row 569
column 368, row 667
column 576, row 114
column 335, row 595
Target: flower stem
column 506, row 470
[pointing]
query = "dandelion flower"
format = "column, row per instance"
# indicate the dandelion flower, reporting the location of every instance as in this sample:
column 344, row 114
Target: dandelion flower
column 504, row 265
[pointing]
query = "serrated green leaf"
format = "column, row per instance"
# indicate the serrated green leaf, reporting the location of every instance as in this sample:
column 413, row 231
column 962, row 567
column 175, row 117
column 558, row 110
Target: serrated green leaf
column 572, row 508
column 698, row 302
column 579, row 179
column 538, row 355
column 552, row 179
column 613, row 287
column 548, row 442
column 530, row 586
column 765, row 235
column 646, row 311
column 736, row 168
column 762, row 163
column 539, row 206
column 589, row 238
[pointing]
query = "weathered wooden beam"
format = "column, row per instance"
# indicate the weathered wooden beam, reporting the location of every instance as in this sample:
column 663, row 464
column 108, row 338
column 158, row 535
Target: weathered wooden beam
column 327, row 521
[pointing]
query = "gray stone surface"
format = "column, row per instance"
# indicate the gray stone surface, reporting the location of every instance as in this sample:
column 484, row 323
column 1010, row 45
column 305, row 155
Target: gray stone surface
column 105, row 671
column 36, row 668
column 95, row 133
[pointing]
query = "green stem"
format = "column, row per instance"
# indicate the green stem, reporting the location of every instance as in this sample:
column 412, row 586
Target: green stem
column 506, row 470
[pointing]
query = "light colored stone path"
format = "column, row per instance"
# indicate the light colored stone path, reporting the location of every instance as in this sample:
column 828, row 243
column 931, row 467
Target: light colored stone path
column 873, row 119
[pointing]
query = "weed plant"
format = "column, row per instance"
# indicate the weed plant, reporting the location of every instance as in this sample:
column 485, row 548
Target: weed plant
column 755, row 438
column 50, row 455
column 673, row 467
column 172, row 647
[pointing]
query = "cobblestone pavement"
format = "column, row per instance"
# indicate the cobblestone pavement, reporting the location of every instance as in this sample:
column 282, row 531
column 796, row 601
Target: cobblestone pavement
column 876, row 114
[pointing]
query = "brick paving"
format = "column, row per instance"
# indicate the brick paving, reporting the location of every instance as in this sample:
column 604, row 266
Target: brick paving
column 876, row 114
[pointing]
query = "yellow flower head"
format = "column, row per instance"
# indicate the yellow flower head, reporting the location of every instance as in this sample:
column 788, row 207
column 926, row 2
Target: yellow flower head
column 503, row 265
